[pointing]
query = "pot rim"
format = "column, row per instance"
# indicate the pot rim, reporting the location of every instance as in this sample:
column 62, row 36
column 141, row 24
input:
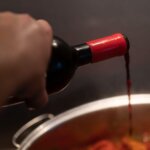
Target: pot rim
column 101, row 104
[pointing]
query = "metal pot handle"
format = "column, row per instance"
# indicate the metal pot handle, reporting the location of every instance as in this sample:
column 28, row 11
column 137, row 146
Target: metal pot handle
column 25, row 130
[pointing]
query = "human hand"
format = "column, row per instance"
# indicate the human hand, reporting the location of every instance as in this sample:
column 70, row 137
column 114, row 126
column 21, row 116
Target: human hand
column 25, row 49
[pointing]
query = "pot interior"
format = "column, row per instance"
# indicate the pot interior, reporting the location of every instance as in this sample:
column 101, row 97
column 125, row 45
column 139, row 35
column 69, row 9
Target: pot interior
column 89, row 128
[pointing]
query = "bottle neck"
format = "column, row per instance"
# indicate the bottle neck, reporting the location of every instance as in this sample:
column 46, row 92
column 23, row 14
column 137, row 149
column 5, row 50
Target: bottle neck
column 83, row 54
column 101, row 49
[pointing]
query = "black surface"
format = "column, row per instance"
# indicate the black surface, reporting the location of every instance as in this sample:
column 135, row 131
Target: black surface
column 77, row 21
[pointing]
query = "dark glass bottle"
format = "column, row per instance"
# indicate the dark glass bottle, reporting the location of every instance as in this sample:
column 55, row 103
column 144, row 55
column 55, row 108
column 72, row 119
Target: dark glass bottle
column 66, row 59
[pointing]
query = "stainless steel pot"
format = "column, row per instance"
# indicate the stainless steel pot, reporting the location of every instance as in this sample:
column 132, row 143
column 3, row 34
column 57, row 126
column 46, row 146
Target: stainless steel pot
column 85, row 124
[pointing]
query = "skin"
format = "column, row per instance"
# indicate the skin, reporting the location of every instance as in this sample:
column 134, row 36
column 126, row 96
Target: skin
column 24, row 54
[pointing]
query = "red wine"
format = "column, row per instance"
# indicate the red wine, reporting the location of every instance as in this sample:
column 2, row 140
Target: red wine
column 66, row 59
column 129, row 84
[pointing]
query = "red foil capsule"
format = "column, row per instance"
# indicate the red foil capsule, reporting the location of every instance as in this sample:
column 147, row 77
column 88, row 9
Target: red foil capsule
column 107, row 47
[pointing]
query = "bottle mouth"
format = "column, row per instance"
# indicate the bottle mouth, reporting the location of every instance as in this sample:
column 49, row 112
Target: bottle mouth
column 127, row 41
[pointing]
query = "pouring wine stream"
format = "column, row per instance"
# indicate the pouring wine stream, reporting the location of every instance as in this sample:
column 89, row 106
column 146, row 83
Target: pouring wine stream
column 128, row 84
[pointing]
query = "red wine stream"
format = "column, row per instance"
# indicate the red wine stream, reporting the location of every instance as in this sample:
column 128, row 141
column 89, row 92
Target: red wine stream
column 129, row 84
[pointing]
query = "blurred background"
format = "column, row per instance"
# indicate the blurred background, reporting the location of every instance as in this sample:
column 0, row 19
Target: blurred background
column 77, row 21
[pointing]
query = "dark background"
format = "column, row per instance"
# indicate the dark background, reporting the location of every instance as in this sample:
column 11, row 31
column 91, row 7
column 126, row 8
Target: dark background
column 77, row 21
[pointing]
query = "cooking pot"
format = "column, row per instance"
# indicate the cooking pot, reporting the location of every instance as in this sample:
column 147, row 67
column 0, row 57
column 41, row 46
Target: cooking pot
column 85, row 124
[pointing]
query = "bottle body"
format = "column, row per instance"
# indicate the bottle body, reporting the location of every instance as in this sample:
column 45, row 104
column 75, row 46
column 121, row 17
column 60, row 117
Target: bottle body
column 61, row 67
column 66, row 59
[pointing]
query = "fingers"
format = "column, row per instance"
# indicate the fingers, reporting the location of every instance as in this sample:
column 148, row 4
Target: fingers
column 45, row 26
column 37, row 95
column 47, row 29
column 47, row 36
column 36, row 91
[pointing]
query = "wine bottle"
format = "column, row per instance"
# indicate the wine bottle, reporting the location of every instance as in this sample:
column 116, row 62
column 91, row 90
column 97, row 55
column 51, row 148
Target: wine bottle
column 66, row 59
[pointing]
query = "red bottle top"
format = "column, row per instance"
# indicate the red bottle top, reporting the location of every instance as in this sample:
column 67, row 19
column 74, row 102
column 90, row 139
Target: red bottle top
column 107, row 47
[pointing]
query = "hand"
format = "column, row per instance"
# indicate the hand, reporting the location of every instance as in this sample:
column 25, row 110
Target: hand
column 25, row 49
